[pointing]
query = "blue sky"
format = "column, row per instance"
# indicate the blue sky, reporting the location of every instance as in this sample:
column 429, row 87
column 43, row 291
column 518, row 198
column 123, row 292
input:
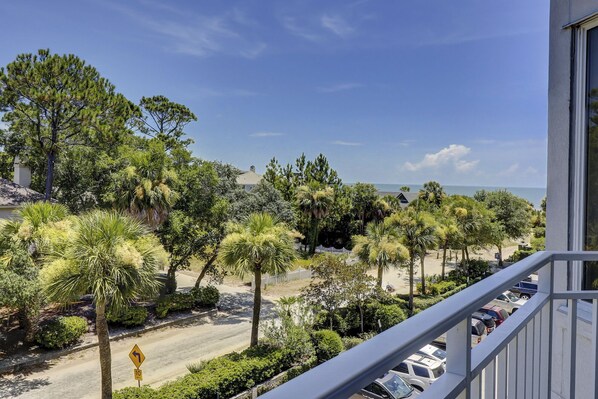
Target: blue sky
column 390, row 91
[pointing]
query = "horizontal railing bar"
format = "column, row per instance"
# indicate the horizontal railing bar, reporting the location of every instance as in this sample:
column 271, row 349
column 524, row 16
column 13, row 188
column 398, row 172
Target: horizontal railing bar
column 585, row 256
column 494, row 343
column 347, row 373
column 575, row 295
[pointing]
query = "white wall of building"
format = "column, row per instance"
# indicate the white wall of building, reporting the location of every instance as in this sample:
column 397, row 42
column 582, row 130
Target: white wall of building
column 562, row 203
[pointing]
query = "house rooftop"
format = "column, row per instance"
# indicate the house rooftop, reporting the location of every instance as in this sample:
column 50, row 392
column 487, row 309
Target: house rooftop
column 249, row 178
column 14, row 195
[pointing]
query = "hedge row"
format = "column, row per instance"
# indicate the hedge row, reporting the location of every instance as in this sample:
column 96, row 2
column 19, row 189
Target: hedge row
column 202, row 296
column 227, row 376
column 61, row 332
column 131, row 316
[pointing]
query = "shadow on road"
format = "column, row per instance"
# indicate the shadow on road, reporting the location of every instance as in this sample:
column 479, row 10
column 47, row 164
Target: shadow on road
column 19, row 384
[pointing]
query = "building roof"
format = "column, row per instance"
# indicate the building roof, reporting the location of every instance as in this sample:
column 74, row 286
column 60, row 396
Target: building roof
column 248, row 178
column 409, row 196
column 13, row 194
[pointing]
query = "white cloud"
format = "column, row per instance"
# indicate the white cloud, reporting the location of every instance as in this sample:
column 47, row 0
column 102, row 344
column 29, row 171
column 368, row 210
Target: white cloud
column 406, row 143
column 346, row 143
column 465, row 166
column 192, row 34
column 510, row 170
column 340, row 87
column 266, row 134
column 293, row 27
column 448, row 156
column 337, row 25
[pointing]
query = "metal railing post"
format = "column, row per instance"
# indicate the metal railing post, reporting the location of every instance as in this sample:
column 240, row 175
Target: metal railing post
column 458, row 347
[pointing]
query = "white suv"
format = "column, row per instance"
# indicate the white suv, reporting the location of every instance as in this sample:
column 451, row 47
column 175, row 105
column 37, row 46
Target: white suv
column 420, row 371
column 508, row 301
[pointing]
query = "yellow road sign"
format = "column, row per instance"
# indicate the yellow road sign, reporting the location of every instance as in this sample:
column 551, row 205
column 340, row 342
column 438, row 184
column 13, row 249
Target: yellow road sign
column 138, row 374
column 136, row 356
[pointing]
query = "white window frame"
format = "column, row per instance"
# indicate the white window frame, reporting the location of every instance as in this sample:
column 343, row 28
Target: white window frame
column 579, row 146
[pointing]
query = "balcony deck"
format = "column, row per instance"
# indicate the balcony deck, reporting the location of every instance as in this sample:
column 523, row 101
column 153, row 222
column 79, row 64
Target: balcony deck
column 515, row 361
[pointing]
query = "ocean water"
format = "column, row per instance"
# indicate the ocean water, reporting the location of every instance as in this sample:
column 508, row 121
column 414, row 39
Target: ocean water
column 532, row 194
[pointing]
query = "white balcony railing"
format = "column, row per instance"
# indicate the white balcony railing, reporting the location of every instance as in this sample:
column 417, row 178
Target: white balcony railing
column 514, row 361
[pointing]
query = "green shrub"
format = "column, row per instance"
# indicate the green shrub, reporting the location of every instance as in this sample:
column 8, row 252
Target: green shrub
column 454, row 291
column 206, row 296
column 61, row 332
column 351, row 342
column 389, row 315
column 424, row 302
column 441, row 287
column 322, row 321
column 129, row 317
column 174, row 302
column 520, row 254
column 135, row 393
column 227, row 375
column 327, row 343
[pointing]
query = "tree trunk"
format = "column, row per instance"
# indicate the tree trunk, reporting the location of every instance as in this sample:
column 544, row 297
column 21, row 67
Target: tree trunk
column 104, row 345
column 422, row 259
column 380, row 275
column 257, row 305
column 466, row 255
column 205, row 269
column 361, row 317
column 462, row 256
column 443, row 260
column 314, row 236
column 500, row 262
column 171, row 280
column 411, row 266
column 50, row 175
column 27, row 324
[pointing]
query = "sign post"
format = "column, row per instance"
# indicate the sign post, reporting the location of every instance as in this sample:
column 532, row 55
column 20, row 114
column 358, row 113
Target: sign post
column 137, row 357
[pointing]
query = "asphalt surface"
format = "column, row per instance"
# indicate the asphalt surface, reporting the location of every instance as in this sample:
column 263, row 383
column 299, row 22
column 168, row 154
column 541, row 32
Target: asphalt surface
column 167, row 352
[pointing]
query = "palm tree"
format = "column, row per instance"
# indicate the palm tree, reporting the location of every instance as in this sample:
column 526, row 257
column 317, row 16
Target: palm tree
column 418, row 234
column 380, row 247
column 144, row 188
column 111, row 257
column 259, row 245
column 22, row 244
column 448, row 234
column 315, row 202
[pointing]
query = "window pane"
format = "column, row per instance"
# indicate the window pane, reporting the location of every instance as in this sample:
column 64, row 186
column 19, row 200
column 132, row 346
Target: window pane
column 421, row 371
column 590, row 280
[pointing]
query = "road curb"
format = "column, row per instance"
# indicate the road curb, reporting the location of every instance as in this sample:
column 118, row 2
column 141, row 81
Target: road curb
column 44, row 357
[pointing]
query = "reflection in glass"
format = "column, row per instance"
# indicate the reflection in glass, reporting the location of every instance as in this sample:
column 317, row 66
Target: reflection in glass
column 590, row 280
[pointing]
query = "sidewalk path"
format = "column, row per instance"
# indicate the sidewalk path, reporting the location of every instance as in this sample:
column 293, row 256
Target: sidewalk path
column 167, row 353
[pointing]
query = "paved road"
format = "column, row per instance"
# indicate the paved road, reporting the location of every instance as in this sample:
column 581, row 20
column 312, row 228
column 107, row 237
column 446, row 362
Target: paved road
column 167, row 353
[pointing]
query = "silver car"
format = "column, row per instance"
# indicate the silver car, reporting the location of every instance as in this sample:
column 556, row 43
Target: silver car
column 389, row 386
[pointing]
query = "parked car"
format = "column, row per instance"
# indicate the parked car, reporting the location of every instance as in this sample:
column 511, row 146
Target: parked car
column 420, row 371
column 486, row 319
column 508, row 301
column 389, row 386
column 498, row 314
column 525, row 289
column 433, row 352
column 478, row 334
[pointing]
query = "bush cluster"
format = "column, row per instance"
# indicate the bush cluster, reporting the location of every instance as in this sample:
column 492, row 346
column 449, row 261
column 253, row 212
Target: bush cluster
column 61, row 332
column 174, row 302
column 351, row 342
column 327, row 344
column 520, row 254
column 130, row 316
column 202, row 296
column 227, row 376
column 206, row 296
